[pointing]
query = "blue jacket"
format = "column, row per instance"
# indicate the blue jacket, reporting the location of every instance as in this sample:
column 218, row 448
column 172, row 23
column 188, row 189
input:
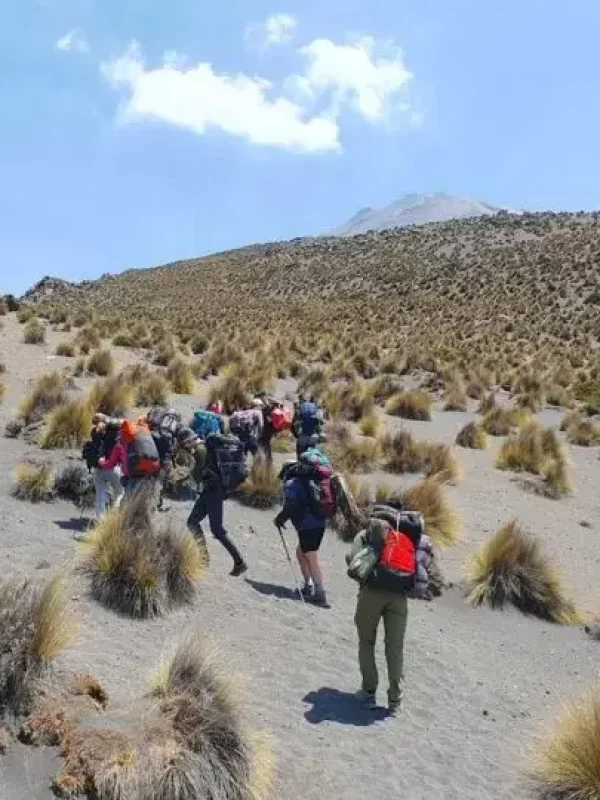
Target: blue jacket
column 296, row 507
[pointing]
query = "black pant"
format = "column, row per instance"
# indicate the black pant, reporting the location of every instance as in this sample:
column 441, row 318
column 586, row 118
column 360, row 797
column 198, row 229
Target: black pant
column 265, row 444
column 210, row 503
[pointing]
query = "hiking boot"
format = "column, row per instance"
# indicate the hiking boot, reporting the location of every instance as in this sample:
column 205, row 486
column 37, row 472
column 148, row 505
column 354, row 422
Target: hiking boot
column 395, row 708
column 319, row 598
column 239, row 569
column 307, row 593
column 367, row 700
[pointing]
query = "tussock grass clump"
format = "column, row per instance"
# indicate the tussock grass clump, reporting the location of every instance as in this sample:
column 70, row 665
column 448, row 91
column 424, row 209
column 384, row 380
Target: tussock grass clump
column 537, row 450
column 152, row 390
column 352, row 400
column 138, row 567
column 68, row 426
column 35, row 626
column 441, row 520
column 487, row 403
column 410, row 405
column 181, row 377
column 47, row 393
column 580, row 431
column 356, row 454
column 441, row 463
column 262, row 488
column 370, row 425
column 88, row 339
column 65, row 349
column 24, row 314
column 101, row 363
column 456, row 399
column 472, row 436
column 402, row 453
column 501, row 421
column 511, row 569
column 567, row 764
column 231, row 389
column 74, row 483
column 284, row 443
column 34, row 332
column 2, row 391
column 33, row 483
column 113, row 396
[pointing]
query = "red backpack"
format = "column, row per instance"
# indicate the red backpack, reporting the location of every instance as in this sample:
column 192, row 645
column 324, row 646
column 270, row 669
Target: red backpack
column 281, row 419
column 397, row 568
column 320, row 490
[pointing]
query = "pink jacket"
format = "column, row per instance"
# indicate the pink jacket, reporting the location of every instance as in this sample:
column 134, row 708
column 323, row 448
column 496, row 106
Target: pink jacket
column 118, row 458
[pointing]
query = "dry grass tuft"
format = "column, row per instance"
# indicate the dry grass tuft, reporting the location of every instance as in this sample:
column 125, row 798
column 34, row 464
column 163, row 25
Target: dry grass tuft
column 152, row 390
column 472, row 436
column 355, row 454
column 2, row 391
column 456, row 399
column 410, row 405
column 181, row 377
column 581, row 431
column 441, row 520
column 501, row 421
column 65, row 349
column 262, row 488
column 101, row 363
column 537, row 450
column 402, row 453
column 231, row 389
column 370, row 425
column 35, row 626
column 442, row 464
column 34, row 332
column 511, row 569
column 113, row 396
column 138, row 567
column 567, row 764
column 68, row 426
column 33, row 483
column 47, row 393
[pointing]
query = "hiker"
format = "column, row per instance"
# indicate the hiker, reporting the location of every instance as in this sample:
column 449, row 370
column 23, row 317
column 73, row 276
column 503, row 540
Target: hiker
column 384, row 560
column 307, row 424
column 136, row 455
column 164, row 424
column 104, row 438
column 309, row 522
column 276, row 419
column 219, row 468
column 247, row 426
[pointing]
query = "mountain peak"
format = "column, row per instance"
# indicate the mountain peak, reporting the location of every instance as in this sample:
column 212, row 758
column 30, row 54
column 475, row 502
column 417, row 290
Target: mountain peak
column 416, row 209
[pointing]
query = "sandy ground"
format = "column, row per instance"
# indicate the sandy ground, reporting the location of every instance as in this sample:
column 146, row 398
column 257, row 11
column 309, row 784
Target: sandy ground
column 480, row 684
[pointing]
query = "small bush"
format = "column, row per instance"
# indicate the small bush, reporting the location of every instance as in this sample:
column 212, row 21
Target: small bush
column 181, row 377
column 24, row 314
column 355, row 455
column 124, row 340
column 75, row 484
column 137, row 567
column 199, row 344
column 12, row 303
column 35, row 626
column 580, row 431
column 511, row 569
column 33, row 483
column 113, row 396
column 441, row 463
column 402, row 453
column 65, row 349
column 88, row 339
column 13, row 428
column 537, row 450
column 47, row 393
column 567, row 764
column 441, row 521
column 501, row 421
column 370, row 425
column 34, row 332
column 101, row 363
column 410, row 405
column 472, row 436
column 152, row 390
column 262, row 489
column 68, row 426
column 456, row 399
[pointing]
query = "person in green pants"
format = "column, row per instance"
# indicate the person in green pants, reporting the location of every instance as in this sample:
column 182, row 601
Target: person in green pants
column 374, row 605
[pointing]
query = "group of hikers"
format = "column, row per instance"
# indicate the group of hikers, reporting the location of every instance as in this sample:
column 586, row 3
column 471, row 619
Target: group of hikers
column 389, row 558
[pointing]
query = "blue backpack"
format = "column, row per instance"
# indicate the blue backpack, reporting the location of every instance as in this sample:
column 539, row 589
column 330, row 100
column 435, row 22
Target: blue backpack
column 310, row 420
column 205, row 423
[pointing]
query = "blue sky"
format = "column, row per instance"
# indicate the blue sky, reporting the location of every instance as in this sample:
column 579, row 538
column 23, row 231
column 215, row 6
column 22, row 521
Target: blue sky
column 136, row 132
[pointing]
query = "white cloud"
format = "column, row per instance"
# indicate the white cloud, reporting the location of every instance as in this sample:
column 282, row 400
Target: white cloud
column 276, row 30
column 364, row 77
column 72, row 41
column 355, row 75
column 198, row 98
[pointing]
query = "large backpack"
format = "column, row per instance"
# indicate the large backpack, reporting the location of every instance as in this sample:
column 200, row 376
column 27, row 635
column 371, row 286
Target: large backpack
column 205, row 423
column 242, row 425
column 281, row 419
column 310, row 419
column 396, row 570
column 317, row 480
column 227, row 459
column 142, row 455
column 163, row 420
column 100, row 445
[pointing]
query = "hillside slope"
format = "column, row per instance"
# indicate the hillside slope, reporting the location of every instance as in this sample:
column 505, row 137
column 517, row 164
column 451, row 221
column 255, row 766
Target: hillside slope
column 492, row 288
column 415, row 209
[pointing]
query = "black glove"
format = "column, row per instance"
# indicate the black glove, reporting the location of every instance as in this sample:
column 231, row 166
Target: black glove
column 279, row 522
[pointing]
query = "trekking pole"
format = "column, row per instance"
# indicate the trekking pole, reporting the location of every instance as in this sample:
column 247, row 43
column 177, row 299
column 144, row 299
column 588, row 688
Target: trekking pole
column 292, row 570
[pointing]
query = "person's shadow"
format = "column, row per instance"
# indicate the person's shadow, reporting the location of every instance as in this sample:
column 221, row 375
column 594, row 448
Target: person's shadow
column 273, row 590
column 75, row 524
column 332, row 705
